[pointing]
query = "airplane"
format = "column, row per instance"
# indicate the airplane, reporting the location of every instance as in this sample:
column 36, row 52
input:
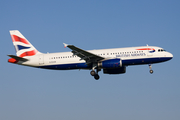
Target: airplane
column 111, row 61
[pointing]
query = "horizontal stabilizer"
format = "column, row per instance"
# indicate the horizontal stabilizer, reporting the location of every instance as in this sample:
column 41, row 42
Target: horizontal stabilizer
column 18, row 58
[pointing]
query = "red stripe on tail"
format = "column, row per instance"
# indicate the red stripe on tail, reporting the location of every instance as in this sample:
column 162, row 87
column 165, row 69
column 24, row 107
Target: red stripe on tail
column 18, row 39
column 29, row 53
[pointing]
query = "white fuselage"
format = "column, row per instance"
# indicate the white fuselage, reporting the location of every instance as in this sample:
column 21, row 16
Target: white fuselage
column 128, row 56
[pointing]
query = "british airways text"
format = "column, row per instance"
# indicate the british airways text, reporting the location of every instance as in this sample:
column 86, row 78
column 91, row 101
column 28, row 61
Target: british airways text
column 131, row 55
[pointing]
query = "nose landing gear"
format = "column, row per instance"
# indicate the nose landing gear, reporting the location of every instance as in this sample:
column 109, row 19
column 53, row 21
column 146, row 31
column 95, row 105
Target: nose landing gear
column 150, row 67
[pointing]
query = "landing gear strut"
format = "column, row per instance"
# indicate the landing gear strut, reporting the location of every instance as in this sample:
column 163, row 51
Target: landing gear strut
column 150, row 67
column 95, row 74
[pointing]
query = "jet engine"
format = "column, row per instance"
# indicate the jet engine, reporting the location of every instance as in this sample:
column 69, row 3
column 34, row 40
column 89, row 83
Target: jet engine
column 120, row 70
column 111, row 63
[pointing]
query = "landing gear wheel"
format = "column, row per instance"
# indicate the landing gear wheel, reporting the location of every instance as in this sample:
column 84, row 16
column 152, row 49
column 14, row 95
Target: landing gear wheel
column 96, row 77
column 150, row 67
column 93, row 73
column 151, row 71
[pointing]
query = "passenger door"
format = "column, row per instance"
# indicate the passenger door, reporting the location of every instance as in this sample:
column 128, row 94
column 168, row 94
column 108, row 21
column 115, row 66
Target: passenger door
column 41, row 59
column 150, row 51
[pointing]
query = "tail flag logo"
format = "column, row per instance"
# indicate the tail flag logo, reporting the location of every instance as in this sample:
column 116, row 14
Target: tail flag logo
column 22, row 45
column 29, row 53
column 18, row 39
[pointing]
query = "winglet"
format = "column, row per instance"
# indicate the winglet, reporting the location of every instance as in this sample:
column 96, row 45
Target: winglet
column 65, row 45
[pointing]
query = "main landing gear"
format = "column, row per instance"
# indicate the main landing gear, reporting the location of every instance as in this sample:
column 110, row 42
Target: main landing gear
column 95, row 74
column 150, row 67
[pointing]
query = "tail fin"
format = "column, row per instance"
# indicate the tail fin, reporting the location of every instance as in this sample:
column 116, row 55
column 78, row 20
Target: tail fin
column 22, row 45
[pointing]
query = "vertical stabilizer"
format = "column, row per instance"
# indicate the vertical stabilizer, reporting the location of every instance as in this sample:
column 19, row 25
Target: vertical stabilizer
column 22, row 45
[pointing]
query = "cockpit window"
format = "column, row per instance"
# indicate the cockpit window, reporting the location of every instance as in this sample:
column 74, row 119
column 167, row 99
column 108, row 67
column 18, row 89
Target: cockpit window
column 161, row 50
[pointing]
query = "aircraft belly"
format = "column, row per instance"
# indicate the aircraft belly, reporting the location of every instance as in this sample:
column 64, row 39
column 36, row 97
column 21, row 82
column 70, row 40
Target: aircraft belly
column 144, row 60
column 66, row 66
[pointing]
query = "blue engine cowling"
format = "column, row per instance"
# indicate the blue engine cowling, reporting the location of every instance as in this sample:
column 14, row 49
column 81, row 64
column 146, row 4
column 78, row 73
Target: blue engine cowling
column 120, row 70
column 111, row 63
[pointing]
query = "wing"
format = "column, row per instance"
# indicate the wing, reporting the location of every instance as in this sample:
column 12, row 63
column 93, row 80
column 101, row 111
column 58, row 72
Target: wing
column 84, row 55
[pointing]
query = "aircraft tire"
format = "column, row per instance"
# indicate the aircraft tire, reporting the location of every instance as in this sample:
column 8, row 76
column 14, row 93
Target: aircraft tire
column 151, row 71
column 93, row 73
column 96, row 77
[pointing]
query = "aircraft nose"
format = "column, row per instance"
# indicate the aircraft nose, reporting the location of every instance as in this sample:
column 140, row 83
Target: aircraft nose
column 170, row 55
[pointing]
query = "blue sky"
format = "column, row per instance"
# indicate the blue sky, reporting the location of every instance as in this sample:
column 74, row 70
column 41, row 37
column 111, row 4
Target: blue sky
column 30, row 93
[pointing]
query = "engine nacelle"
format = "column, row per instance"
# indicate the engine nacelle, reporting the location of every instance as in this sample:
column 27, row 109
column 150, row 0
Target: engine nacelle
column 111, row 63
column 120, row 70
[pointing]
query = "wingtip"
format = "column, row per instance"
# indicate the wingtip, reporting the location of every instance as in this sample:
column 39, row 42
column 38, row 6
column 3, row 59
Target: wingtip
column 65, row 45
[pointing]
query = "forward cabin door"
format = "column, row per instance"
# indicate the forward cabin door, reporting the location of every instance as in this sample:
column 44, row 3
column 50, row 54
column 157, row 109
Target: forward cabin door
column 41, row 59
column 150, row 51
